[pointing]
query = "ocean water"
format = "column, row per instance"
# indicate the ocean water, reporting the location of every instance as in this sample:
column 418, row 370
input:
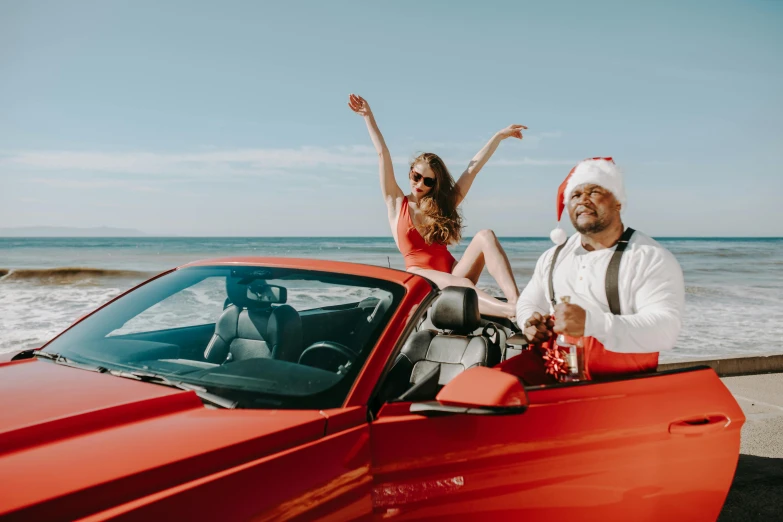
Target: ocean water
column 734, row 286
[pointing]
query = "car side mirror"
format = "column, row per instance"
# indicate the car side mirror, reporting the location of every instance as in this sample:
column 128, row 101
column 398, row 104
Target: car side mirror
column 477, row 391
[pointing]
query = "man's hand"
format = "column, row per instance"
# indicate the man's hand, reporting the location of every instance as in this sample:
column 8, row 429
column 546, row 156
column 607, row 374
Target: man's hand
column 538, row 328
column 570, row 320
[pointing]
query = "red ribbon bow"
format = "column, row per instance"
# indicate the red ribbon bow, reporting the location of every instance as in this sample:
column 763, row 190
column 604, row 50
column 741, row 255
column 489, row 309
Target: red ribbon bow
column 555, row 362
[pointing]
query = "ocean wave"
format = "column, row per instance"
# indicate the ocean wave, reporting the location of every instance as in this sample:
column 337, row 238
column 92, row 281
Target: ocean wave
column 33, row 314
column 66, row 275
column 701, row 290
column 715, row 253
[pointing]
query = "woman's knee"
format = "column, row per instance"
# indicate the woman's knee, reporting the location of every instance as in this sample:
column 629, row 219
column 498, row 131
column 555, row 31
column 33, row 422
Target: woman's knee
column 487, row 236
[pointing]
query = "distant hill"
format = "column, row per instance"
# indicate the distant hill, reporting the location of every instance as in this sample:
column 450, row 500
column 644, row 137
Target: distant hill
column 69, row 232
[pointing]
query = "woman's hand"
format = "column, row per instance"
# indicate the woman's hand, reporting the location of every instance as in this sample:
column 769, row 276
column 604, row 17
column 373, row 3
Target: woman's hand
column 391, row 191
column 466, row 179
column 512, row 131
column 359, row 105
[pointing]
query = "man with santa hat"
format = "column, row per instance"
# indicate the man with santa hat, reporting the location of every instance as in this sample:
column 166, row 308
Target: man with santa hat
column 614, row 291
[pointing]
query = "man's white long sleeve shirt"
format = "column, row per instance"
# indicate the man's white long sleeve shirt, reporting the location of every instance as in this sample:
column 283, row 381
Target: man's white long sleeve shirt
column 651, row 288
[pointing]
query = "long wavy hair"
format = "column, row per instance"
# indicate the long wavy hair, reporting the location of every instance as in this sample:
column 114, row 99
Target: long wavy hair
column 444, row 221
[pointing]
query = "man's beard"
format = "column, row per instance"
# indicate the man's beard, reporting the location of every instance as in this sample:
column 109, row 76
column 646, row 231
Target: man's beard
column 600, row 224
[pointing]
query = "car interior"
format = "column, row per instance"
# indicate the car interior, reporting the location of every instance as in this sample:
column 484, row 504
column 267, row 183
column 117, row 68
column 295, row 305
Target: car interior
column 450, row 338
column 234, row 329
column 260, row 343
column 256, row 323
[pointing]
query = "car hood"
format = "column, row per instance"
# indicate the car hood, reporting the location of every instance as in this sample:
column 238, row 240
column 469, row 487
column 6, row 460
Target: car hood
column 77, row 441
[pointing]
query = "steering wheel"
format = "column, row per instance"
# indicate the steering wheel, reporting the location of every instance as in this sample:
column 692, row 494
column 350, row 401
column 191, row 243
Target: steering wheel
column 329, row 356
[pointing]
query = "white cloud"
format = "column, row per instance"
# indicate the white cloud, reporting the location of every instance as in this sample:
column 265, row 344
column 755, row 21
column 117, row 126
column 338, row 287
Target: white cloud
column 533, row 161
column 236, row 161
column 531, row 141
column 210, row 164
column 93, row 184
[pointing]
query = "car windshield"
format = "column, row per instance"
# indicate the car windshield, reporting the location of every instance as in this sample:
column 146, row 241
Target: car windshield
column 264, row 337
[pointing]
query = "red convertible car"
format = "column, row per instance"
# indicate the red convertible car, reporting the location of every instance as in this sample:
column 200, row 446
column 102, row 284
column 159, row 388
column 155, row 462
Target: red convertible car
column 275, row 389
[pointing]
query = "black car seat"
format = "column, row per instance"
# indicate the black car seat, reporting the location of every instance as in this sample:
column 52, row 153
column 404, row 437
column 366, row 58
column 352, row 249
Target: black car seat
column 249, row 328
column 495, row 329
column 447, row 351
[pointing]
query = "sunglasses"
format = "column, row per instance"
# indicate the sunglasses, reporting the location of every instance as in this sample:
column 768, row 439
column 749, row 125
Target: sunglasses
column 416, row 177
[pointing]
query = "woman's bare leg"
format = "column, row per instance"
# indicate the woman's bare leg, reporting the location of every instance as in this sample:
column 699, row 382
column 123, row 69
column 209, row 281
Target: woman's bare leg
column 485, row 248
column 488, row 305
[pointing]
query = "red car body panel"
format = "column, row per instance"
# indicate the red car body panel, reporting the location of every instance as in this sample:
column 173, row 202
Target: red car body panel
column 82, row 445
column 327, row 479
column 597, row 451
column 121, row 439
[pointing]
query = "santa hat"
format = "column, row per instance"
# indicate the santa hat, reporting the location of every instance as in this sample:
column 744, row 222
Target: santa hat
column 598, row 171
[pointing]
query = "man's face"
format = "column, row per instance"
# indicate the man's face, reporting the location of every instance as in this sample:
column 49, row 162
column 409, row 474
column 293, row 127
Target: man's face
column 592, row 208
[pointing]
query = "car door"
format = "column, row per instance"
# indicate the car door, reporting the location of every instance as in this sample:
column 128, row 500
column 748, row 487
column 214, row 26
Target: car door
column 657, row 447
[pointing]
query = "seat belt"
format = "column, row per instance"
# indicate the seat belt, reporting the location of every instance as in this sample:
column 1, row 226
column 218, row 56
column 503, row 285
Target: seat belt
column 612, row 273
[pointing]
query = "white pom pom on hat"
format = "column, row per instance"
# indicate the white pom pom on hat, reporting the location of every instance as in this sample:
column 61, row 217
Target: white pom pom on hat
column 558, row 236
column 598, row 171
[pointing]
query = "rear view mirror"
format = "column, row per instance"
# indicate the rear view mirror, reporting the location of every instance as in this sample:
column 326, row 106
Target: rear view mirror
column 263, row 293
column 480, row 391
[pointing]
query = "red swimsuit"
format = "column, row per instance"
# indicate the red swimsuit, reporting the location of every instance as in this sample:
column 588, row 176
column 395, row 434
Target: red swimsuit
column 415, row 250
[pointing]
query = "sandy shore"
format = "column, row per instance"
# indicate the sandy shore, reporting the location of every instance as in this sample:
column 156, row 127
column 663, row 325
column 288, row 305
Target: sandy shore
column 757, row 491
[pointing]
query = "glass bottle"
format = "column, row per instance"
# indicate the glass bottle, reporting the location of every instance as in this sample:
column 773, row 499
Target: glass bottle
column 574, row 354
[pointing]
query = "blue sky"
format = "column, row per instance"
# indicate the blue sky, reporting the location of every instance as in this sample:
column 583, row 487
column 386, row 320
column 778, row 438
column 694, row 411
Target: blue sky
column 230, row 118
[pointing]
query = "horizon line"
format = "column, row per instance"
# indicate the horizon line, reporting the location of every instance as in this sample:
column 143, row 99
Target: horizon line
column 155, row 236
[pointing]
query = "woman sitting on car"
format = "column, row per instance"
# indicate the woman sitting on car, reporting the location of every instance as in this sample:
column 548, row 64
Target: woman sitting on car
column 426, row 221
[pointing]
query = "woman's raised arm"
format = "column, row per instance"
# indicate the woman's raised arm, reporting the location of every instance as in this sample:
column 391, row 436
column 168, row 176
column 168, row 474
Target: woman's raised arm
column 466, row 179
column 391, row 191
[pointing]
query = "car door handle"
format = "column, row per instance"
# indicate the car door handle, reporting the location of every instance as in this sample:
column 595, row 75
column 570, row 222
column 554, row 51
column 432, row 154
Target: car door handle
column 699, row 425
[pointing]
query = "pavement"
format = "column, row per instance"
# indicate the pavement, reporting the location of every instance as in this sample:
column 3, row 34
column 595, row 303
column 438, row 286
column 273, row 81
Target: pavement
column 757, row 490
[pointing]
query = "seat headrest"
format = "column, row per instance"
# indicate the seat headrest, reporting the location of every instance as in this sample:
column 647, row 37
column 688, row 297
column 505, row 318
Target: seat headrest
column 456, row 309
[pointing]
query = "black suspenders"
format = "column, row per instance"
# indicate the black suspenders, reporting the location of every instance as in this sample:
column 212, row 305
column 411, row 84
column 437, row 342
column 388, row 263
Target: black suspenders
column 553, row 299
column 612, row 273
